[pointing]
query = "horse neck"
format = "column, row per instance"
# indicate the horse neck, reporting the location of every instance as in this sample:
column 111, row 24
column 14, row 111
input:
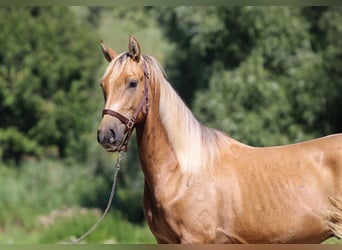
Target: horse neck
column 155, row 153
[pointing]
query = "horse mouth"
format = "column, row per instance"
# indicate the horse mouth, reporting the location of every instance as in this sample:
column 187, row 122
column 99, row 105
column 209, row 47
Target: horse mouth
column 110, row 147
column 108, row 141
column 111, row 150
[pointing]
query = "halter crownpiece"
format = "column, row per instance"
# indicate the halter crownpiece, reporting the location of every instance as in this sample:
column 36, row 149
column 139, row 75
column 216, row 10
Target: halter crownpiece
column 130, row 122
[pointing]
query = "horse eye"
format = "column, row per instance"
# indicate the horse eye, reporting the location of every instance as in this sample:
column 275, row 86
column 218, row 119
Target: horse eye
column 133, row 84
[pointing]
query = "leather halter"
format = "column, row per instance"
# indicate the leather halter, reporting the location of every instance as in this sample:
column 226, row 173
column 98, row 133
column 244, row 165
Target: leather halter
column 130, row 122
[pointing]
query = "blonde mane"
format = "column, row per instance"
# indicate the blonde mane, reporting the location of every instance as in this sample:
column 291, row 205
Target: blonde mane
column 196, row 146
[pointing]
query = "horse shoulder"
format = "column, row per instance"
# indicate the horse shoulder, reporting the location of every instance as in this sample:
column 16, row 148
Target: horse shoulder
column 157, row 219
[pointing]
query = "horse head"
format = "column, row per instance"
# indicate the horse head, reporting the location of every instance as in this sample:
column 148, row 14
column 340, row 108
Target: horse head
column 125, row 89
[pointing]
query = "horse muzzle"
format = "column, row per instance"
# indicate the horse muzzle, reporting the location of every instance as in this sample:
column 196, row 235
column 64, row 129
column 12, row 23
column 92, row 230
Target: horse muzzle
column 111, row 137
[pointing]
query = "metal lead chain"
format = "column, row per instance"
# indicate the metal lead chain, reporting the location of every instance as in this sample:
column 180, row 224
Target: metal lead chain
column 117, row 168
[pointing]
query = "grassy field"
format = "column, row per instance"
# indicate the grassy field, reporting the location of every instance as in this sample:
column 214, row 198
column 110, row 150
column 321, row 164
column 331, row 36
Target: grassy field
column 41, row 204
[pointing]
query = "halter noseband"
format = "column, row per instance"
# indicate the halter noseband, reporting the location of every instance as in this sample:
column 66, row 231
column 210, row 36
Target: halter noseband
column 130, row 122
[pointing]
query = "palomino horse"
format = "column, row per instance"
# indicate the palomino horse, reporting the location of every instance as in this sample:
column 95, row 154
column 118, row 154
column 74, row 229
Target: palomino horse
column 202, row 186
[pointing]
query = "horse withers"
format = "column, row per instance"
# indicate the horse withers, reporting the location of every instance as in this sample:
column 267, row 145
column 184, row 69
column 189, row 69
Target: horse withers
column 201, row 186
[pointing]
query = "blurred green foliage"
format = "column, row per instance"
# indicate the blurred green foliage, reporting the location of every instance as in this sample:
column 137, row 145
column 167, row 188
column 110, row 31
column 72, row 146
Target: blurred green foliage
column 264, row 75
column 47, row 64
column 41, row 204
column 114, row 229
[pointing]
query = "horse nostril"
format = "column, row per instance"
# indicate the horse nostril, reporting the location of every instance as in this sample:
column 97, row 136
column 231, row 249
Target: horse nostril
column 112, row 136
column 100, row 138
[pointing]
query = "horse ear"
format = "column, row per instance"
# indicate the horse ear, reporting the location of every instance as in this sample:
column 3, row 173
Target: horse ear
column 108, row 53
column 134, row 49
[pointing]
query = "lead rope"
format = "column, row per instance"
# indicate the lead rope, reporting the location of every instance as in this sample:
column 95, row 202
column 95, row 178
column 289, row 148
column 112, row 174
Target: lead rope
column 117, row 168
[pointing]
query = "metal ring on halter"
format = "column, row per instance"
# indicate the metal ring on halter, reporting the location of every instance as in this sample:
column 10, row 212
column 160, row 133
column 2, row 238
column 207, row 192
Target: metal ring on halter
column 130, row 123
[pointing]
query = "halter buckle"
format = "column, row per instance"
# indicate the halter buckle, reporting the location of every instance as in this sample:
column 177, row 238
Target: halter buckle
column 130, row 123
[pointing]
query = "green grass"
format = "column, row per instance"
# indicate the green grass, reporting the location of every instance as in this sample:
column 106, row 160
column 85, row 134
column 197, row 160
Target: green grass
column 40, row 203
column 332, row 240
column 113, row 229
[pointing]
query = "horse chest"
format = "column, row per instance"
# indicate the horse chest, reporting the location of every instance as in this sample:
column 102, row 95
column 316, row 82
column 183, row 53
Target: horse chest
column 159, row 221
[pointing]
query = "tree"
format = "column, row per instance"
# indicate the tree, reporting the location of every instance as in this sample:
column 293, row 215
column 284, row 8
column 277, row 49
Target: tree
column 47, row 64
column 266, row 75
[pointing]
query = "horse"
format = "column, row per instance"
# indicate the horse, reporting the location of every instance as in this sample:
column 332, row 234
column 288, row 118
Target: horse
column 202, row 186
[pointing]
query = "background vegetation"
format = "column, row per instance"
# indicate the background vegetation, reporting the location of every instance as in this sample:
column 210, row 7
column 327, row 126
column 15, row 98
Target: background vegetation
column 265, row 75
